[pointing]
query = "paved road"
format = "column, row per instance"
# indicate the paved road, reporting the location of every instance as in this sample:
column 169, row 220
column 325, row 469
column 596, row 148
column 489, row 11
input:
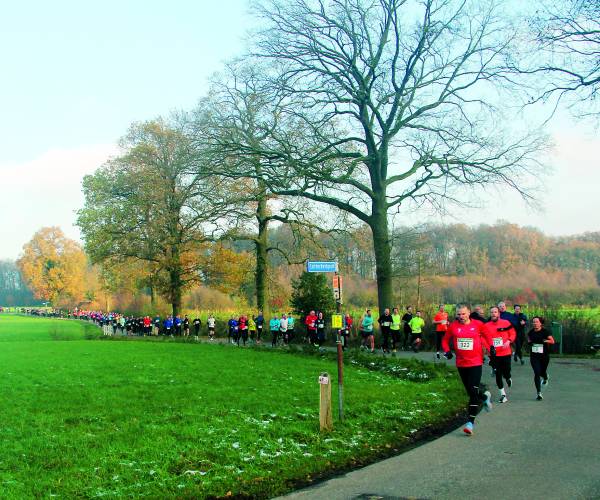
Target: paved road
column 524, row 449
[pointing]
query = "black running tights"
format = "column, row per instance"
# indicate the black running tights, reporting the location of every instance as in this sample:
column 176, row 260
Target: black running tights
column 471, row 379
column 540, row 367
column 502, row 366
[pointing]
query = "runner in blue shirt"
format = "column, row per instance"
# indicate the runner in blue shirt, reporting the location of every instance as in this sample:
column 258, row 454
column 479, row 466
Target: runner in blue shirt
column 366, row 331
column 290, row 328
column 169, row 326
column 274, row 328
column 233, row 330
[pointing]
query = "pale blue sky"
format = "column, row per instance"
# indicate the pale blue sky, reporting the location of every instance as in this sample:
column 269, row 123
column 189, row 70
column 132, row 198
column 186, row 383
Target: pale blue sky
column 79, row 72
column 76, row 74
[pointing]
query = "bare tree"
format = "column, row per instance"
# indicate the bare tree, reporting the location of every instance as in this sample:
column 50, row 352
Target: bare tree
column 240, row 111
column 385, row 103
column 567, row 64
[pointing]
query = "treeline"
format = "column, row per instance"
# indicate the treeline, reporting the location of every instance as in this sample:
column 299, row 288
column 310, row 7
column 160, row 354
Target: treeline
column 431, row 264
column 454, row 263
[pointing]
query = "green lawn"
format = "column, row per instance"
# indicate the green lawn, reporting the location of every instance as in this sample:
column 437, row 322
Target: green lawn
column 85, row 418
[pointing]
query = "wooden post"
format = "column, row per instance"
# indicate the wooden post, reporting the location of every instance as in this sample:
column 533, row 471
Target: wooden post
column 325, row 416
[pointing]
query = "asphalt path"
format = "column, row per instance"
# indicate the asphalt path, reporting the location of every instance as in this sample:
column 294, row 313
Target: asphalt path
column 525, row 448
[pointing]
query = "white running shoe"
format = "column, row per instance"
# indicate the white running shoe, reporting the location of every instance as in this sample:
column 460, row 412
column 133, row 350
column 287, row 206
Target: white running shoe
column 487, row 404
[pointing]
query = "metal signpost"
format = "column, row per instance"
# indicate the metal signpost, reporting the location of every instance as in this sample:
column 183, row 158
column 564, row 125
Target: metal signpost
column 332, row 267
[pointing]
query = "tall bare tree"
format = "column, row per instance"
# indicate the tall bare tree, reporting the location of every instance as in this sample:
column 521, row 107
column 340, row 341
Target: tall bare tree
column 386, row 103
column 567, row 34
column 240, row 110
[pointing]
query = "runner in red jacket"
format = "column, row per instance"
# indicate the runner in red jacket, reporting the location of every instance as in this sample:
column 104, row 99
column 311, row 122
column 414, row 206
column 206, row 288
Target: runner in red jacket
column 467, row 339
column 500, row 334
column 311, row 327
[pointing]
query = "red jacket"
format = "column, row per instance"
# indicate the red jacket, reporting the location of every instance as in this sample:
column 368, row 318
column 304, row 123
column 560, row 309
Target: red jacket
column 467, row 342
column 500, row 334
column 311, row 321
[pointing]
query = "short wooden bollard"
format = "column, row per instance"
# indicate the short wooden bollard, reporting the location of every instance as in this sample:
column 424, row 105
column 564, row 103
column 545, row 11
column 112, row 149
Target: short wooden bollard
column 325, row 416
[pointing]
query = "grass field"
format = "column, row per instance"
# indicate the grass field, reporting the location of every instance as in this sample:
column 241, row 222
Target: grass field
column 94, row 418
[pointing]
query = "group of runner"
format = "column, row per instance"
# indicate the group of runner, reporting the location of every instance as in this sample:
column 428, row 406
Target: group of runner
column 469, row 336
column 398, row 331
column 113, row 323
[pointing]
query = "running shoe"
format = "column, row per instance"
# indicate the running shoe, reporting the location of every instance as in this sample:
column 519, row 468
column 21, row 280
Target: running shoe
column 515, row 358
column 539, row 397
column 509, row 382
column 468, row 430
column 437, row 355
column 503, row 399
column 546, row 381
column 487, row 404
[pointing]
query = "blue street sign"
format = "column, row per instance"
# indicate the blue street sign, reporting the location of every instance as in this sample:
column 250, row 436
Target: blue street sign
column 321, row 267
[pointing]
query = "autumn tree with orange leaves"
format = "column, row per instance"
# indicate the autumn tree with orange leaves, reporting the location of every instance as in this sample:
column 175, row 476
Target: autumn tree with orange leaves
column 54, row 266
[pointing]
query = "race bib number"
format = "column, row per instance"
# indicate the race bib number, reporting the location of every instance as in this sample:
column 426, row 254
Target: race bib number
column 464, row 344
column 537, row 348
column 498, row 342
column 385, row 323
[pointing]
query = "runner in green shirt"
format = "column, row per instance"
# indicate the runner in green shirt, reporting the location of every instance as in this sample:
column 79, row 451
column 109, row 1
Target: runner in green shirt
column 416, row 325
column 395, row 329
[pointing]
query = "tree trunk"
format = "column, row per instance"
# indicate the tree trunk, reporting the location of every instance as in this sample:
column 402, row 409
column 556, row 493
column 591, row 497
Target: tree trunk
column 261, row 242
column 175, row 284
column 382, row 249
column 419, row 282
column 176, row 301
column 261, row 266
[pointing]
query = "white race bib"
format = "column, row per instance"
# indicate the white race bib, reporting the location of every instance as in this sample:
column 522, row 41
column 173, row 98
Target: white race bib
column 464, row 344
column 385, row 323
column 537, row 348
column 498, row 342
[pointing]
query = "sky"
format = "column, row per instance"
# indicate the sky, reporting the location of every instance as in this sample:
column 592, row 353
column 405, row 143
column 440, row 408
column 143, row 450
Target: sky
column 77, row 74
